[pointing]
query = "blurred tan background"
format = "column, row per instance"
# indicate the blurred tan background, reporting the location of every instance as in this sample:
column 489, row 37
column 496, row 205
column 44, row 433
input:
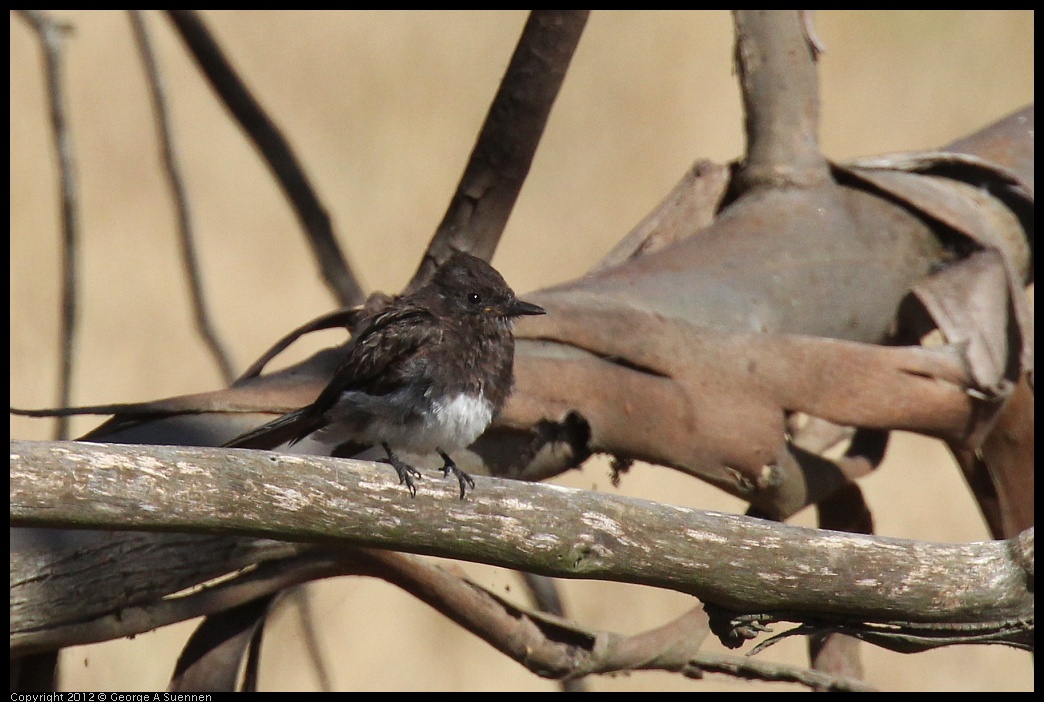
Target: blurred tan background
column 382, row 109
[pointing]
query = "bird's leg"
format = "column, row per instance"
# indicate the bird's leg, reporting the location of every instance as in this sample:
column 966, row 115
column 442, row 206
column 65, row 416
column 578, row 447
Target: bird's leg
column 462, row 477
column 406, row 472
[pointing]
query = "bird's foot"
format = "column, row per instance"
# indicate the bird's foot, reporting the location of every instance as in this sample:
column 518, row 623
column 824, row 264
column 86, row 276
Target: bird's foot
column 406, row 472
column 463, row 478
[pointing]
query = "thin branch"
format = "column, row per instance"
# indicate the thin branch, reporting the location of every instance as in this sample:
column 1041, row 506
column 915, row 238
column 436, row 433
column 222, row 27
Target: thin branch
column 51, row 34
column 554, row 647
column 545, row 594
column 754, row 669
column 186, row 234
column 276, row 152
column 503, row 152
column 303, row 602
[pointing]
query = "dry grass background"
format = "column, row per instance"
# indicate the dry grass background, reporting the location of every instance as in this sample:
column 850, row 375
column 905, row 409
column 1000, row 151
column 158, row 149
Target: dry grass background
column 382, row 108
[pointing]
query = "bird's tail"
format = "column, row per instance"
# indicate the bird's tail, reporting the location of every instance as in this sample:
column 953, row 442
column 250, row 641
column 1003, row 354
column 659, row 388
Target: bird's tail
column 290, row 428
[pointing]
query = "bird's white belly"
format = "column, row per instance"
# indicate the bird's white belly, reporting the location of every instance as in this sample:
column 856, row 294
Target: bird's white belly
column 455, row 423
column 448, row 424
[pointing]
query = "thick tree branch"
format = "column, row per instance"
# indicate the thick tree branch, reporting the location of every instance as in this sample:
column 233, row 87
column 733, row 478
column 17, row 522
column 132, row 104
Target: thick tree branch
column 547, row 645
column 742, row 564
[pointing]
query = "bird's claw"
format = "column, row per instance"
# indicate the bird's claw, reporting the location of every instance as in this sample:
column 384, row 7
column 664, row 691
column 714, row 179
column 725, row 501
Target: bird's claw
column 406, row 475
column 406, row 472
column 463, row 478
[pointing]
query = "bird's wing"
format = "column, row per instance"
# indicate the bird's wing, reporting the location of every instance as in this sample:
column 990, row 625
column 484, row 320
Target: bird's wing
column 288, row 428
column 376, row 361
column 380, row 357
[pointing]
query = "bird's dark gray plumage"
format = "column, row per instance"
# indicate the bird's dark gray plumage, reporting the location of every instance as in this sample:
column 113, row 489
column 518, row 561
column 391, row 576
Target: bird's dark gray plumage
column 425, row 373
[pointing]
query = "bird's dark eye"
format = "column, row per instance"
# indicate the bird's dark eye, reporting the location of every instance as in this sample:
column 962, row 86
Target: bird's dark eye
column 474, row 298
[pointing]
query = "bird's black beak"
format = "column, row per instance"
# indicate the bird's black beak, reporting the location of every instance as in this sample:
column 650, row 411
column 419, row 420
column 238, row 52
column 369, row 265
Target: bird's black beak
column 517, row 308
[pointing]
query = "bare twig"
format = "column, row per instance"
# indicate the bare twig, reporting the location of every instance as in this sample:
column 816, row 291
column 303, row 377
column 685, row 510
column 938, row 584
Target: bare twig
column 301, row 599
column 545, row 594
column 504, row 150
column 754, row 669
column 186, row 234
column 276, row 152
column 51, row 33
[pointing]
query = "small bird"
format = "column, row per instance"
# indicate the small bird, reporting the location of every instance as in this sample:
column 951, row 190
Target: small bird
column 425, row 373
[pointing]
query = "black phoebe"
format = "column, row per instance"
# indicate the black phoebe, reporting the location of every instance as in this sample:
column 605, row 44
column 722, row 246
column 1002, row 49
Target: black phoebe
column 426, row 373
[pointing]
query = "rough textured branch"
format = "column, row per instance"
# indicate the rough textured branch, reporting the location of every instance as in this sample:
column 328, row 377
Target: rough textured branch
column 735, row 562
column 547, row 645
